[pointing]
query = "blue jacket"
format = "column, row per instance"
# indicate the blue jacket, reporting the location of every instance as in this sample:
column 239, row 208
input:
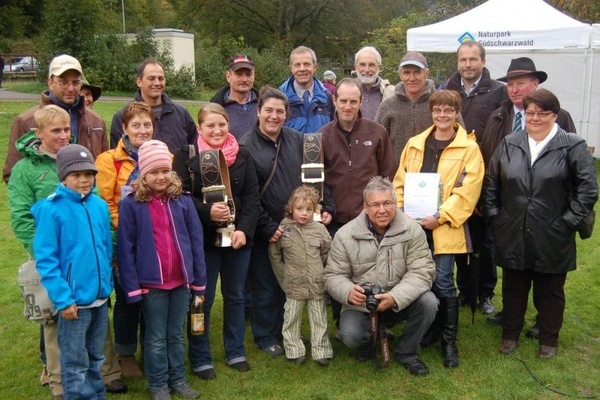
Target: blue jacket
column 73, row 247
column 136, row 253
column 320, row 112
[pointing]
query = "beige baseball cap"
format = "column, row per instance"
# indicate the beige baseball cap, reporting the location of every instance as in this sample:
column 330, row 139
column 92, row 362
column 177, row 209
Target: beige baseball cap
column 60, row 64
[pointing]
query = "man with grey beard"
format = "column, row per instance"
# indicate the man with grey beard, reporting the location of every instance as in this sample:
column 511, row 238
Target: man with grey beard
column 367, row 64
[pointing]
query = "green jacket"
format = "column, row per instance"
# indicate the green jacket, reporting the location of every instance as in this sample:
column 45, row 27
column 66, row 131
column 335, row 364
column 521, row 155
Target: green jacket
column 33, row 178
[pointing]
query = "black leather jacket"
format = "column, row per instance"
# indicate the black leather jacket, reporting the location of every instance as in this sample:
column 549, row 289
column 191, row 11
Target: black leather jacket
column 534, row 210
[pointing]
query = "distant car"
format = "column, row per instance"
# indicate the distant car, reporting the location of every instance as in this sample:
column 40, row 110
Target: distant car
column 21, row 64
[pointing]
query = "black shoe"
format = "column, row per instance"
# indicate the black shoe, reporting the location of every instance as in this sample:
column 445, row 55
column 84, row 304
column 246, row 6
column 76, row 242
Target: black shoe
column 415, row 366
column 323, row 361
column 206, row 374
column 495, row 319
column 534, row 332
column 299, row 360
column 364, row 353
column 116, row 386
column 241, row 366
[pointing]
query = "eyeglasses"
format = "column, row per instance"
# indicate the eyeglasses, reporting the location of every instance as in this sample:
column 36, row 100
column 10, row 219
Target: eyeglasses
column 377, row 206
column 65, row 84
column 541, row 114
column 446, row 111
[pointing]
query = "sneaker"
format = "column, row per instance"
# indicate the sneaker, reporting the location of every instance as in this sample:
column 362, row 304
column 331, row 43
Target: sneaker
column 299, row 360
column 241, row 366
column 206, row 374
column 116, row 386
column 160, row 394
column 44, row 378
column 183, row 389
column 129, row 367
column 486, row 305
column 274, row 351
column 495, row 319
column 324, row 362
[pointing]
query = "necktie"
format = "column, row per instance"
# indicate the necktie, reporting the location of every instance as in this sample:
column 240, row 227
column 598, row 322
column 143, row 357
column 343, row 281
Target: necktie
column 306, row 99
column 517, row 123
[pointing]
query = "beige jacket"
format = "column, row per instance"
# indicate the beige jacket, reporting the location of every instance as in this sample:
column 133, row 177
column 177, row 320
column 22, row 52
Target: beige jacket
column 298, row 258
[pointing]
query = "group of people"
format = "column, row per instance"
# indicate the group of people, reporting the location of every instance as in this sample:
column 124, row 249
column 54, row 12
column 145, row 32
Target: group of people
column 288, row 196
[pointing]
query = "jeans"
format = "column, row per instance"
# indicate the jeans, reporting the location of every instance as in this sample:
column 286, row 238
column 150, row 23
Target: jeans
column 126, row 319
column 354, row 325
column 443, row 286
column 232, row 265
column 81, row 342
column 164, row 316
column 266, row 315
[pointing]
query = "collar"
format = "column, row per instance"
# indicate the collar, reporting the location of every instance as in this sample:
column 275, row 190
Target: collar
column 473, row 86
column 300, row 90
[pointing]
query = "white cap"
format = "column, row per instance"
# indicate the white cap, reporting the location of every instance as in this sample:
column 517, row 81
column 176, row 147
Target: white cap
column 63, row 63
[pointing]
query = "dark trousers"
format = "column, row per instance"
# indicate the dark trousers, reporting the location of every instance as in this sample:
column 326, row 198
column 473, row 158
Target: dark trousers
column 483, row 244
column 549, row 300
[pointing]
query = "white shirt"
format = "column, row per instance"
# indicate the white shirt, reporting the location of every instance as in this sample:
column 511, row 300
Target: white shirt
column 536, row 148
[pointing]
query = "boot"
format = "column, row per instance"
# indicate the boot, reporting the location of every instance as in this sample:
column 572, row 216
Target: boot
column 129, row 367
column 433, row 332
column 449, row 311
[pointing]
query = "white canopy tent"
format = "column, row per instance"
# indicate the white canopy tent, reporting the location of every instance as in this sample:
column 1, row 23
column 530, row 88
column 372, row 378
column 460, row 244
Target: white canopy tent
column 557, row 43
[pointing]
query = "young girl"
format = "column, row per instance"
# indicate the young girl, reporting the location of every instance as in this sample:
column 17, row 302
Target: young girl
column 298, row 258
column 161, row 258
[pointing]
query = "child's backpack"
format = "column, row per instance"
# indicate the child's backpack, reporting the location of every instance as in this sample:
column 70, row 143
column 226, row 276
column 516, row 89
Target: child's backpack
column 38, row 306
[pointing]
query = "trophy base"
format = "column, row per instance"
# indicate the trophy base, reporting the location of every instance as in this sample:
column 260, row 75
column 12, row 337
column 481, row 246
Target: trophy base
column 224, row 235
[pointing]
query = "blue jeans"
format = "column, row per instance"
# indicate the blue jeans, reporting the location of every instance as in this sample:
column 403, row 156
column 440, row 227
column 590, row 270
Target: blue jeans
column 354, row 325
column 164, row 316
column 126, row 319
column 443, row 286
column 232, row 265
column 81, row 342
column 266, row 314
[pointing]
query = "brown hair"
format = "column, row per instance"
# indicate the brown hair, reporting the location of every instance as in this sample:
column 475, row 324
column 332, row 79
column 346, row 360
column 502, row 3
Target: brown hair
column 544, row 99
column 211, row 108
column 143, row 192
column 473, row 43
column 144, row 63
column 134, row 109
column 350, row 82
column 445, row 97
column 303, row 194
column 268, row 92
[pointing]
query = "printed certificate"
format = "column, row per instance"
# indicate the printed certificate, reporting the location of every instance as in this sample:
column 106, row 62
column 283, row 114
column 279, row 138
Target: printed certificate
column 421, row 194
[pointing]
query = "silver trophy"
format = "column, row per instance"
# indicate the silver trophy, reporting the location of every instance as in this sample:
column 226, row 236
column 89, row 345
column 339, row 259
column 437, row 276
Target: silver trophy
column 225, row 229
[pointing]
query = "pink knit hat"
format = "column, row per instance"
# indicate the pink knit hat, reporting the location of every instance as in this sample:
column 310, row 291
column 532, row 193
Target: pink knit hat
column 153, row 154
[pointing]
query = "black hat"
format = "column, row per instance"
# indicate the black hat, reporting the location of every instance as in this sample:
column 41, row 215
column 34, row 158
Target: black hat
column 239, row 61
column 523, row 66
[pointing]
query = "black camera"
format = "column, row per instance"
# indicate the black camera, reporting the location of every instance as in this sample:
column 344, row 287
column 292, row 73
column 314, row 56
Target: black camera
column 370, row 291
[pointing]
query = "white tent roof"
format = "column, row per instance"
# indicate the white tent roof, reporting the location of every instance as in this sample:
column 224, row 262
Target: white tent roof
column 503, row 25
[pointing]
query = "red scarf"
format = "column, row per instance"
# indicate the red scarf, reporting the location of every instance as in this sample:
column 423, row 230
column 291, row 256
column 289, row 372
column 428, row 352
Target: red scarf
column 230, row 148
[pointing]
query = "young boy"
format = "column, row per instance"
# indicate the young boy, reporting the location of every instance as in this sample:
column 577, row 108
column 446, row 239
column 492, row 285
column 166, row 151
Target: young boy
column 298, row 258
column 73, row 250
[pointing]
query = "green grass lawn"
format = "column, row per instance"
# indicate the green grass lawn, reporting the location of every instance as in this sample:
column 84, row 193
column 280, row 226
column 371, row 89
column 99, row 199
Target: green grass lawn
column 483, row 372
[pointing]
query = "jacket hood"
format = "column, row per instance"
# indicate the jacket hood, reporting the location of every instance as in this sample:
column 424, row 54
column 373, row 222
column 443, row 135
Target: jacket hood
column 29, row 145
column 429, row 89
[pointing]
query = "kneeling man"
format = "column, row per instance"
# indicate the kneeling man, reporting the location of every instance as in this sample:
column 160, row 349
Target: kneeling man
column 384, row 247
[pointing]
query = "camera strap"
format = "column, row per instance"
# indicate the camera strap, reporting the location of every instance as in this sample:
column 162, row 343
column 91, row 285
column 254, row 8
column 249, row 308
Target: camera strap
column 377, row 331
